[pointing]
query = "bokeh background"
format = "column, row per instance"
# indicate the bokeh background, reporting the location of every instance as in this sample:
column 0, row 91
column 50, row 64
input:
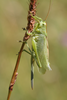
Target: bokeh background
column 52, row 85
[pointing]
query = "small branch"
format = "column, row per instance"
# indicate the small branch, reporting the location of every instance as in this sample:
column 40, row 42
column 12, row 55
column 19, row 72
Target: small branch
column 30, row 26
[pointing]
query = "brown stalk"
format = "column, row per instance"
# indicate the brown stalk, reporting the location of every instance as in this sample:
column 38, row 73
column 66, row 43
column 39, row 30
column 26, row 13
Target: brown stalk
column 30, row 26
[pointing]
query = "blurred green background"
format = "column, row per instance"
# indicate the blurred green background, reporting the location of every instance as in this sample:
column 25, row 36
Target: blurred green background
column 52, row 85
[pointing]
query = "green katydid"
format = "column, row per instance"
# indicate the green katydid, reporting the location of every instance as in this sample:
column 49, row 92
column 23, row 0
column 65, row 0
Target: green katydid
column 40, row 51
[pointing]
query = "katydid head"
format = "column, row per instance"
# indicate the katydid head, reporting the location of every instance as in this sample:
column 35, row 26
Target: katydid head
column 42, row 24
column 41, row 27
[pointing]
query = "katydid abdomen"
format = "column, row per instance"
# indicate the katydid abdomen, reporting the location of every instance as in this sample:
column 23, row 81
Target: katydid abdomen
column 40, row 47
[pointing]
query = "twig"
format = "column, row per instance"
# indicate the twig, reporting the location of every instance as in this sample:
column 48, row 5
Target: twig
column 30, row 26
